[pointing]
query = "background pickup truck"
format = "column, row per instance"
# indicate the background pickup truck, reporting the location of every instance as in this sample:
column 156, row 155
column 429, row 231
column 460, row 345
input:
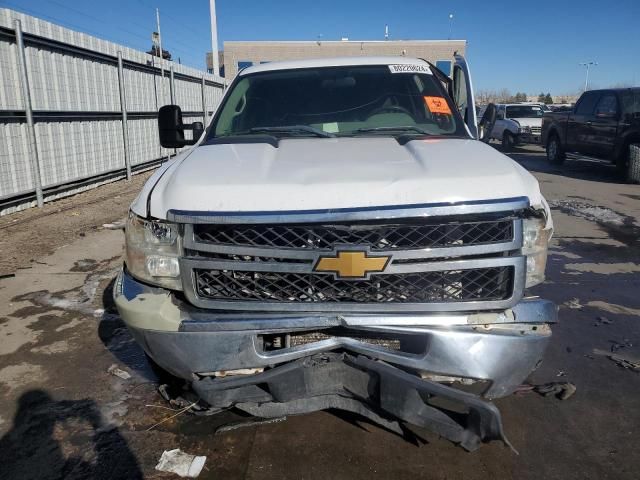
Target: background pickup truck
column 518, row 123
column 604, row 124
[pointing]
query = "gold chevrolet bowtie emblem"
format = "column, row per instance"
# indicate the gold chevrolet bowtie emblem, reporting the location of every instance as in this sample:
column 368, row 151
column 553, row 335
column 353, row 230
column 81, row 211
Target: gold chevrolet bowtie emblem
column 351, row 265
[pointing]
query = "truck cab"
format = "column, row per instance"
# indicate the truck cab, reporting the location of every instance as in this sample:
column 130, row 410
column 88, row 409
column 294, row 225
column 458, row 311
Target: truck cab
column 604, row 124
column 338, row 237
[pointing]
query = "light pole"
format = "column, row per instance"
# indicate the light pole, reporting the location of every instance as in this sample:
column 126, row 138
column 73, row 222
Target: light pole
column 450, row 24
column 161, row 54
column 586, row 80
column 214, row 38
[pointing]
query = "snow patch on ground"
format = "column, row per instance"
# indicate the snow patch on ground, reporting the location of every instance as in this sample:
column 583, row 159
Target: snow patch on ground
column 73, row 323
column 604, row 268
column 14, row 377
column 592, row 213
column 573, row 304
column 113, row 414
column 613, row 308
column 55, row 347
column 81, row 301
column 560, row 253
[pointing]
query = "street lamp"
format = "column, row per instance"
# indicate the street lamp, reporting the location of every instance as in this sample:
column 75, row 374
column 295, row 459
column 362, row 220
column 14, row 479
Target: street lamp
column 586, row 80
column 450, row 23
column 215, row 63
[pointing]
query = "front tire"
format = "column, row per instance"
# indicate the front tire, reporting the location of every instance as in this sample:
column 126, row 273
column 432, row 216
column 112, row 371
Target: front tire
column 631, row 168
column 555, row 154
column 508, row 141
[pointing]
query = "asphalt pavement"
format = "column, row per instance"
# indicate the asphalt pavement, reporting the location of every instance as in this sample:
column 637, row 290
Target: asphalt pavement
column 64, row 414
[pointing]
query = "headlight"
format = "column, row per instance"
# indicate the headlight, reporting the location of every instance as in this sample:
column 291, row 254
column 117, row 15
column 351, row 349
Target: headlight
column 153, row 250
column 525, row 129
column 534, row 245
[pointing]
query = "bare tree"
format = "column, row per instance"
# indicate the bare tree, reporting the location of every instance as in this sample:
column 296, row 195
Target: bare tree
column 484, row 97
column 504, row 95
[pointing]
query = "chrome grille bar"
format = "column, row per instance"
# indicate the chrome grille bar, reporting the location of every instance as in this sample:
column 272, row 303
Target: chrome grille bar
column 512, row 296
column 414, row 234
column 274, row 271
column 427, row 210
column 514, row 243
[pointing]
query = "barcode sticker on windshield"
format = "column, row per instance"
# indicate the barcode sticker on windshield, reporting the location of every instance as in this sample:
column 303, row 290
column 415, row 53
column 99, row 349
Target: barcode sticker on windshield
column 410, row 68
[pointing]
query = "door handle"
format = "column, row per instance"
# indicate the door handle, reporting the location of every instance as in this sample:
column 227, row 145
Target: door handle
column 589, row 123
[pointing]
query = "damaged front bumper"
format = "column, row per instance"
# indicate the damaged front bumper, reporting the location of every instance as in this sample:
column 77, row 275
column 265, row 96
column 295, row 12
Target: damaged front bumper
column 360, row 385
column 381, row 366
column 528, row 138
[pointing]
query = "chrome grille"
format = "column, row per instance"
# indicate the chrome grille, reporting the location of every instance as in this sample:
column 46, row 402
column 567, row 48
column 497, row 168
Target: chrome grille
column 536, row 130
column 410, row 235
column 421, row 287
column 452, row 258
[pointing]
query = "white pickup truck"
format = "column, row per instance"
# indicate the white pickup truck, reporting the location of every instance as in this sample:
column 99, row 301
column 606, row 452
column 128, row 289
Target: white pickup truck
column 339, row 238
column 518, row 123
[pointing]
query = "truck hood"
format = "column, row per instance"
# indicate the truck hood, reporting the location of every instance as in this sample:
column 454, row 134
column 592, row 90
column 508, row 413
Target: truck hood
column 331, row 173
column 529, row 122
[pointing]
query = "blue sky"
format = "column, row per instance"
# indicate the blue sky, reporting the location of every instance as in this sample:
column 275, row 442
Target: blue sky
column 522, row 46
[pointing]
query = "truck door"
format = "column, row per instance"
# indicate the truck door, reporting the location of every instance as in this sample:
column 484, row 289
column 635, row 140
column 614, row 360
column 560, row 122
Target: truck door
column 462, row 94
column 579, row 124
column 498, row 128
column 604, row 125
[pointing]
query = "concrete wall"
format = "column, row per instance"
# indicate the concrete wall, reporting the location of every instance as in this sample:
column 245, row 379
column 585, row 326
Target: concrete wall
column 75, row 96
column 257, row 52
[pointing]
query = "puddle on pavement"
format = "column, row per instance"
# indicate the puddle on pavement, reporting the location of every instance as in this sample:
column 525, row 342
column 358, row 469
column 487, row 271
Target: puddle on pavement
column 85, row 265
column 124, row 348
column 632, row 197
column 49, row 322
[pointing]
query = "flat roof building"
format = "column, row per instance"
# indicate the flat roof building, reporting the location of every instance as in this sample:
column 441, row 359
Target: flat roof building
column 239, row 55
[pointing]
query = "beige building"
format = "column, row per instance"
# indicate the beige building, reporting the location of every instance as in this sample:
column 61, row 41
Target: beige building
column 238, row 55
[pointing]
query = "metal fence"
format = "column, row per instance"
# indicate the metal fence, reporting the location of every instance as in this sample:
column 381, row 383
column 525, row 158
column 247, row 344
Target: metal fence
column 77, row 111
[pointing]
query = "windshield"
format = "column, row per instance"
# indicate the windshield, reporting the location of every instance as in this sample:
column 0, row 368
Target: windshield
column 338, row 101
column 524, row 111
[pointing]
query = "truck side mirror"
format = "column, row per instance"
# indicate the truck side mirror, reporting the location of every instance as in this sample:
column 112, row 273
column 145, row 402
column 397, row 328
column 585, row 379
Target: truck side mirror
column 485, row 126
column 500, row 116
column 171, row 129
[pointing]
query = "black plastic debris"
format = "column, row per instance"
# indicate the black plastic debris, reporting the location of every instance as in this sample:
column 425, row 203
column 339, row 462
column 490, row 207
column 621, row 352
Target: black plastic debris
column 624, row 361
column 560, row 390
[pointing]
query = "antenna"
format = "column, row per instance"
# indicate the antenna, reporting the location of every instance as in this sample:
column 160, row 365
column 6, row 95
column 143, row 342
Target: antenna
column 386, row 32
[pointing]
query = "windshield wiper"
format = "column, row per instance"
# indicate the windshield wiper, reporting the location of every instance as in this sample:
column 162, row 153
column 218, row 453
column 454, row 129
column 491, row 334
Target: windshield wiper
column 404, row 129
column 293, row 129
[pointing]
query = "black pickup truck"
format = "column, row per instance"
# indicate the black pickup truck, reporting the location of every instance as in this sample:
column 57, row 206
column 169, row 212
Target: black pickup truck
column 603, row 124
